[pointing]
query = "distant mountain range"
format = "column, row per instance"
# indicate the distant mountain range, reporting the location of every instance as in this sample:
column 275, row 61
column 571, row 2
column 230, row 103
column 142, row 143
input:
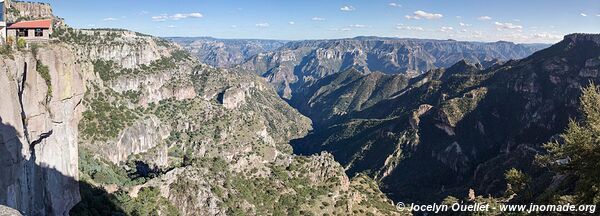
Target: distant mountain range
column 298, row 63
column 290, row 65
column 225, row 53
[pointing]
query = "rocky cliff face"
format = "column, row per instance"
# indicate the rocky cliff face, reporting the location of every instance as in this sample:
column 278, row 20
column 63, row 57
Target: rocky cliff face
column 120, row 46
column 40, row 111
column 457, row 128
column 224, row 53
column 297, row 63
column 17, row 10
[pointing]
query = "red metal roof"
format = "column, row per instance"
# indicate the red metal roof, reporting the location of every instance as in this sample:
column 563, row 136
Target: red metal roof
column 32, row 24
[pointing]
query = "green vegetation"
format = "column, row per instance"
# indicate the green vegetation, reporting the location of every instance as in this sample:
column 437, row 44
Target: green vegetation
column 6, row 50
column 95, row 169
column 73, row 36
column 104, row 69
column 132, row 95
column 45, row 74
column 577, row 153
column 107, row 115
column 516, row 181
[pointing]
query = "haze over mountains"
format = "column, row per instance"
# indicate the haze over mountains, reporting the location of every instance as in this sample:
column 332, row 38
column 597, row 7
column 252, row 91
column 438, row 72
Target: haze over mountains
column 297, row 63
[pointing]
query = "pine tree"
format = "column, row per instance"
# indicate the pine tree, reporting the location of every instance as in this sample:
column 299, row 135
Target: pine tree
column 578, row 151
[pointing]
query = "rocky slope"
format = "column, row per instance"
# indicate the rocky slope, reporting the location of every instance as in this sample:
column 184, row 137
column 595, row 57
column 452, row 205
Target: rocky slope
column 451, row 129
column 301, row 62
column 224, row 53
column 200, row 136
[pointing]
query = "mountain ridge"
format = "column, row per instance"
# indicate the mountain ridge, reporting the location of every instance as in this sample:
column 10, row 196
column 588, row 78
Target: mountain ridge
column 465, row 123
column 300, row 62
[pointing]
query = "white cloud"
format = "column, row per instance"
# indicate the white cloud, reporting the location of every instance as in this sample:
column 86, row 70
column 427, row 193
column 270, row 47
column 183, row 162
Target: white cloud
column 357, row 26
column 171, row 26
column 262, row 25
column 291, row 22
column 517, row 20
column 109, row 19
column 583, row 14
column 527, row 38
column 91, row 25
column 501, row 26
column 160, row 18
column 318, row 19
column 484, row 18
column 340, row 29
column 143, row 12
column 393, row 4
column 458, row 17
column 347, row 8
column 424, row 15
column 412, row 28
column 598, row 15
column 464, row 24
column 233, row 26
column 178, row 16
column 185, row 16
column 547, row 36
column 446, row 29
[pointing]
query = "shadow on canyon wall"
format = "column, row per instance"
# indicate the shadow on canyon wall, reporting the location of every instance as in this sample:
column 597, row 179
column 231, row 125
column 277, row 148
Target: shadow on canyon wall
column 24, row 184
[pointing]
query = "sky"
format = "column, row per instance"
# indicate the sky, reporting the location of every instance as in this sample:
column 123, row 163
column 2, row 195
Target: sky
column 521, row 21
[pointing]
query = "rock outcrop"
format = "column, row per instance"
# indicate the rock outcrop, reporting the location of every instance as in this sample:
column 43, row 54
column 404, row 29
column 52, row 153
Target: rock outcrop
column 140, row 137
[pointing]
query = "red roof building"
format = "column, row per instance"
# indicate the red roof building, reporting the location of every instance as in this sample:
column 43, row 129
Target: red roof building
column 43, row 24
column 35, row 30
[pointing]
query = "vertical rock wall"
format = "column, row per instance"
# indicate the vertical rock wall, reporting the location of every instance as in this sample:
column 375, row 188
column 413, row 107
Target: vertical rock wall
column 39, row 130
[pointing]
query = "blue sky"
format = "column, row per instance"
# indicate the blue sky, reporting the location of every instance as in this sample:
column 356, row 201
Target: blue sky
column 482, row 20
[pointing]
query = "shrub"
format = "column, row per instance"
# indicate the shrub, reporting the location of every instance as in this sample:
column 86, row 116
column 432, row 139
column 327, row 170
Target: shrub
column 45, row 74
column 5, row 50
column 21, row 43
